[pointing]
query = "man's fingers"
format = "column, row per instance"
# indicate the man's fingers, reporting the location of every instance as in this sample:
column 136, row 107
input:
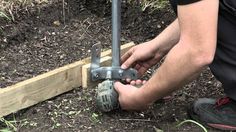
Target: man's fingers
column 137, row 66
column 138, row 82
column 126, row 56
column 142, row 70
column 128, row 59
column 144, row 81
column 128, row 62
column 118, row 86
column 128, row 80
column 133, row 82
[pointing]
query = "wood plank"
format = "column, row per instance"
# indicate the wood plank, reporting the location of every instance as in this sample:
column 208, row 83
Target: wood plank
column 105, row 61
column 40, row 88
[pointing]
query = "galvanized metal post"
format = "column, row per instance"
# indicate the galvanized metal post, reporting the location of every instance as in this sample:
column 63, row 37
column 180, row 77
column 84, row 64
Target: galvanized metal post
column 116, row 28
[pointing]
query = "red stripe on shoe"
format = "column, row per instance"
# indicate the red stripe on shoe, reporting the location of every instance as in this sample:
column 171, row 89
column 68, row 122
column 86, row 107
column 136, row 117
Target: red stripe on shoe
column 222, row 127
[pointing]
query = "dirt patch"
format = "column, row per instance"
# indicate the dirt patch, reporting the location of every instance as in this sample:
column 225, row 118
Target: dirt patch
column 39, row 41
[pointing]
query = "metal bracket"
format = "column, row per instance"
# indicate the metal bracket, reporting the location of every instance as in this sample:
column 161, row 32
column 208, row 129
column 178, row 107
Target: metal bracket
column 96, row 53
column 112, row 73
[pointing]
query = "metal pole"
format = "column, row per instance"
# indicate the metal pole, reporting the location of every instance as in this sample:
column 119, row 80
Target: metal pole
column 116, row 25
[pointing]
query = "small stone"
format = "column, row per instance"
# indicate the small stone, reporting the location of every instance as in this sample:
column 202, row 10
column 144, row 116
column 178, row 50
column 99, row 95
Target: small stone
column 57, row 23
column 61, row 56
column 21, row 52
column 141, row 114
column 5, row 40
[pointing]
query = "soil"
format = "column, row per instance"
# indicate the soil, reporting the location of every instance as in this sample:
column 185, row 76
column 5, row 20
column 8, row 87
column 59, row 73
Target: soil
column 42, row 39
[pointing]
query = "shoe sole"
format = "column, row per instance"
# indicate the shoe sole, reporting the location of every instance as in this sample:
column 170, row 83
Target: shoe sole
column 193, row 116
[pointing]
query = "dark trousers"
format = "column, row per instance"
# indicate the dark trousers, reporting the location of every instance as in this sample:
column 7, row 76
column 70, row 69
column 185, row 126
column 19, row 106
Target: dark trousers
column 224, row 65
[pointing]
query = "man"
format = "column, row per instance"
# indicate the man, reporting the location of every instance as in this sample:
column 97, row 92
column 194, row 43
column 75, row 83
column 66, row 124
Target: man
column 204, row 34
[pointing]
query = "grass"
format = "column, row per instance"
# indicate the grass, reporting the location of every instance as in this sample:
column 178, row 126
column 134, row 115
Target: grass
column 10, row 125
column 192, row 121
column 11, row 7
column 153, row 4
column 3, row 15
column 7, row 6
column 148, row 4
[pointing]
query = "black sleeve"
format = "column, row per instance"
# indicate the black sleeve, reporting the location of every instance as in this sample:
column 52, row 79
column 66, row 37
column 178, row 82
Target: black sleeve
column 174, row 3
column 185, row 2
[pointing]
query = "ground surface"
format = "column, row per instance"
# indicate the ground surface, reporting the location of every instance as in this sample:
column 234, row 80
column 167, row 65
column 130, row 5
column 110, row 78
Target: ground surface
column 39, row 41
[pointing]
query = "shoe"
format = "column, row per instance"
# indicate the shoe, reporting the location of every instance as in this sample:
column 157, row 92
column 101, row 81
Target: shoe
column 219, row 114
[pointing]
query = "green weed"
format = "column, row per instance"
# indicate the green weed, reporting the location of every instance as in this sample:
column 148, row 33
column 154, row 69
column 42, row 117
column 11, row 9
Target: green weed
column 95, row 118
column 9, row 124
column 3, row 15
column 192, row 121
column 153, row 4
column 147, row 4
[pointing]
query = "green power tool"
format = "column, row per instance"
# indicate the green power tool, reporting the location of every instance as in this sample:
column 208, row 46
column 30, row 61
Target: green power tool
column 107, row 97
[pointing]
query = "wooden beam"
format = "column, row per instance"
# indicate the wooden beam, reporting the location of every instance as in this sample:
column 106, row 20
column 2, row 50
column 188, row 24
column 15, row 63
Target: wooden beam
column 40, row 88
column 105, row 61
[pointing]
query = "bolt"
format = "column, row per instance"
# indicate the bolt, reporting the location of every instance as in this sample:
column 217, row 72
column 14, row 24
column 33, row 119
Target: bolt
column 96, row 75
column 109, row 75
column 120, row 73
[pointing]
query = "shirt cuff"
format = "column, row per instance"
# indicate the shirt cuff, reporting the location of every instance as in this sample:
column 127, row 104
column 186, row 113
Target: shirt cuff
column 185, row 2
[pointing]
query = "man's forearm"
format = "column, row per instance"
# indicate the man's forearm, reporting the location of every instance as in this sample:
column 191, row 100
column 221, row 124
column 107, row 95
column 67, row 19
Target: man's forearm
column 167, row 38
column 179, row 67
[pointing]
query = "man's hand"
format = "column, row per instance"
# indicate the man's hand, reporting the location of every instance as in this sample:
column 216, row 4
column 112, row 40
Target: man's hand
column 141, row 57
column 129, row 97
column 144, row 56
